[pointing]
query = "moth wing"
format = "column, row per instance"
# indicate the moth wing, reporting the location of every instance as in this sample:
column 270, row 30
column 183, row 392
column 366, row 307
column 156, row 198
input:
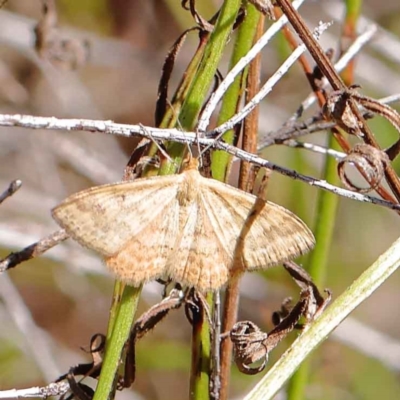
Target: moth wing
column 143, row 258
column 105, row 218
column 198, row 259
column 256, row 232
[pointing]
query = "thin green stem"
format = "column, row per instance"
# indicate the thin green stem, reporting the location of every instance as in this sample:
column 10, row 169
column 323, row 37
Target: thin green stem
column 115, row 306
column 115, row 344
column 209, row 64
column 205, row 74
column 231, row 100
column 201, row 351
column 325, row 220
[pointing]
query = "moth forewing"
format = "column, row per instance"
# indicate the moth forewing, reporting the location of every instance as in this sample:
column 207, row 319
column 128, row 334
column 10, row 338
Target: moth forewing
column 104, row 218
column 144, row 257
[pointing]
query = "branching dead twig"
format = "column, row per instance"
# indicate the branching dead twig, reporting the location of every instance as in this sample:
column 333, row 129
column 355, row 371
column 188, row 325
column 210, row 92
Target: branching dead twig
column 34, row 250
column 251, row 344
column 297, row 128
column 361, row 129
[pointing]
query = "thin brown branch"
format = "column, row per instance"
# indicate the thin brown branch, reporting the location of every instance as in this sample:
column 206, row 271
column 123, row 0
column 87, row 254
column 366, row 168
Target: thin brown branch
column 34, row 250
column 246, row 179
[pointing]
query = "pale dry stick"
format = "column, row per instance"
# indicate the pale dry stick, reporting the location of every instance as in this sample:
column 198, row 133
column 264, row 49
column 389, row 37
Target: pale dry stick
column 311, row 181
column 338, row 155
column 108, row 127
column 312, row 125
column 293, row 131
column 267, row 88
column 394, row 98
column 53, row 389
column 35, row 338
column 204, row 119
column 351, row 52
column 317, row 332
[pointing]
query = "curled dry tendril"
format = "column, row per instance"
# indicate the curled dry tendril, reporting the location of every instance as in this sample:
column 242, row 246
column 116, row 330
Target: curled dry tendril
column 370, row 161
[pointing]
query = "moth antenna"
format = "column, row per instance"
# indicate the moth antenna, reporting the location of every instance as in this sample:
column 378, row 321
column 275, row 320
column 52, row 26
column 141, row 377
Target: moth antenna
column 190, row 153
column 201, row 152
column 176, row 116
column 180, row 127
column 160, row 149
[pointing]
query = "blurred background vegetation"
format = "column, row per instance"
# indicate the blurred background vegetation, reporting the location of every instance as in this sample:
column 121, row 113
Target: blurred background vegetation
column 52, row 305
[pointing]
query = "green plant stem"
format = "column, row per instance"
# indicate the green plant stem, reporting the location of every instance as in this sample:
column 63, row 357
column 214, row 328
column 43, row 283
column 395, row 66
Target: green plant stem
column 121, row 329
column 353, row 8
column 369, row 281
column 115, row 306
column 231, row 100
column 201, row 350
column 317, row 265
column 194, row 100
column 172, row 115
column 205, row 74
column 209, row 64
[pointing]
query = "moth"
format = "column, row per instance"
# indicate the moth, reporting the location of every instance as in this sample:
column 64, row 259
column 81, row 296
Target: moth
column 195, row 230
